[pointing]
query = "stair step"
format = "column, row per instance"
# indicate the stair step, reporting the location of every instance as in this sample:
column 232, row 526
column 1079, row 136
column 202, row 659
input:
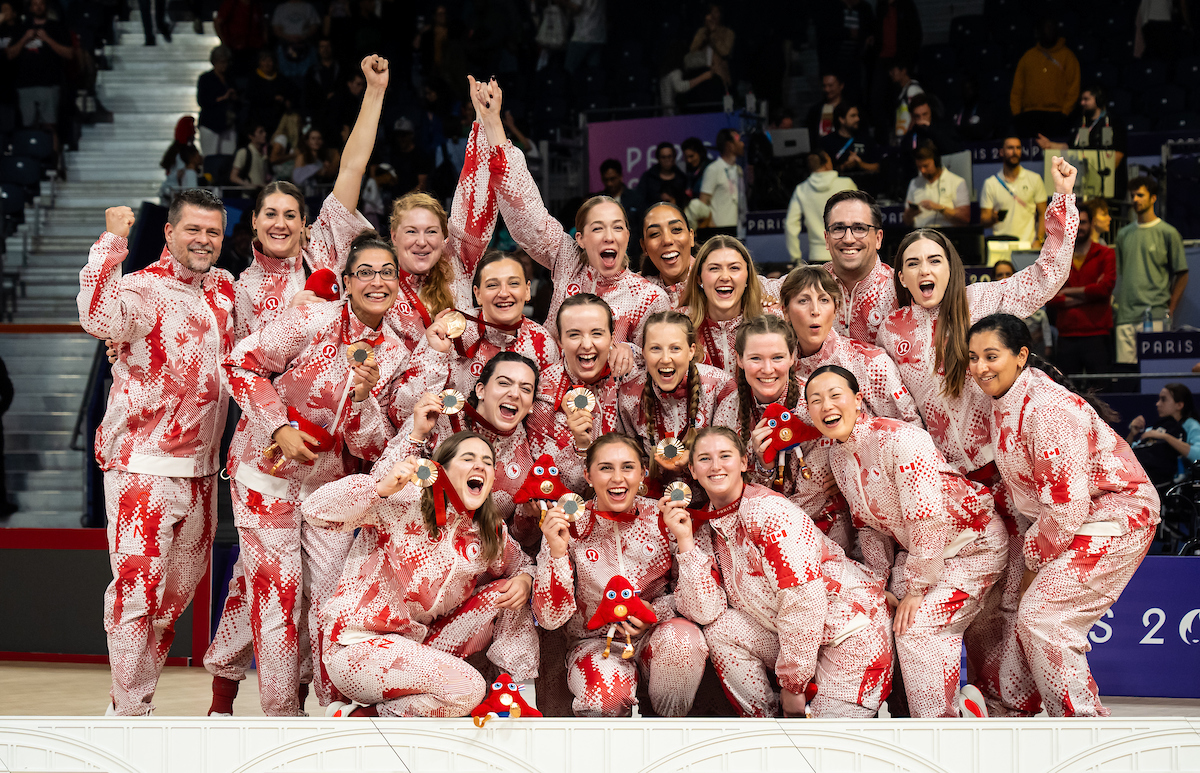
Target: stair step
column 36, row 440
column 77, row 244
column 57, row 402
column 73, row 260
column 39, row 383
column 44, row 519
column 33, row 344
column 66, row 228
column 59, row 421
column 111, row 173
column 45, row 480
column 29, row 461
column 51, row 363
column 162, row 91
column 63, row 501
column 48, row 291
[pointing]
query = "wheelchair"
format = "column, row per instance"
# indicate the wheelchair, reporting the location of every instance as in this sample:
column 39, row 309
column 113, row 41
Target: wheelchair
column 1179, row 530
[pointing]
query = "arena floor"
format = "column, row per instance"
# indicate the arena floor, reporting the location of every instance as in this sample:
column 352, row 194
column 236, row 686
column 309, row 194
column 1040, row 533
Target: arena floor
column 37, row 689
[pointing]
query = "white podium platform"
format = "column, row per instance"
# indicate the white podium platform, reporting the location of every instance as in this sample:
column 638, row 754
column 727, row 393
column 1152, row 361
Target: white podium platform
column 75, row 744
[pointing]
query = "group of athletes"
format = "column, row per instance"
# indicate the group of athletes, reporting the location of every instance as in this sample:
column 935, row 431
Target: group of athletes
column 824, row 484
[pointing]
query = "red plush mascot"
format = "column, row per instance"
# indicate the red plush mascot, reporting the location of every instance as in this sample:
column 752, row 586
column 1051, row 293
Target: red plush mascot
column 620, row 602
column 503, row 700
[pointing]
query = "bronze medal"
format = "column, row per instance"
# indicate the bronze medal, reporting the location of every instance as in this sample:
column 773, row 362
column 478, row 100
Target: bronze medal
column 572, row 504
column 359, row 353
column 580, row 399
column 426, row 473
column 452, row 401
column 669, row 448
column 680, row 493
column 456, row 324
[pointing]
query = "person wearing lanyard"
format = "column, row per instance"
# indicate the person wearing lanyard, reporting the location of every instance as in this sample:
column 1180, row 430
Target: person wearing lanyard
column 1097, row 130
column 1013, row 200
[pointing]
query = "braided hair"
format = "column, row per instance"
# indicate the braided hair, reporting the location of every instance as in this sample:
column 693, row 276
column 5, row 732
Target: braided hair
column 695, row 388
column 767, row 324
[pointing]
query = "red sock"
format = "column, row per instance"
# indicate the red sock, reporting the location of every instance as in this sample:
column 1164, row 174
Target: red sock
column 224, row 691
column 303, row 693
column 365, row 711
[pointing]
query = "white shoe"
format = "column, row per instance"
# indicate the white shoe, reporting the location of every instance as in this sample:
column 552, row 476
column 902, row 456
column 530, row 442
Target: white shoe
column 110, row 710
column 970, row 704
column 219, row 714
column 342, row 709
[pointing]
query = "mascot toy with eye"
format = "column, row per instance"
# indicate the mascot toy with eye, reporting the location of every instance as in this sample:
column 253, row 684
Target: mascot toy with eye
column 788, row 431
column 620, row 602
column 503, row 700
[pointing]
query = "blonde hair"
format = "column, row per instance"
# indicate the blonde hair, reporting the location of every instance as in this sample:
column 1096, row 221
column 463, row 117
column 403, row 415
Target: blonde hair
column 693, row 295
column 693, row 381
column 435, row 291
column 581, row 221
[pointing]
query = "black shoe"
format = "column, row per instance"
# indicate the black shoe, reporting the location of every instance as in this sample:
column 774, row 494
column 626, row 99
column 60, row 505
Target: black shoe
column 166, row 31
column 198, row 26
column 151, row 41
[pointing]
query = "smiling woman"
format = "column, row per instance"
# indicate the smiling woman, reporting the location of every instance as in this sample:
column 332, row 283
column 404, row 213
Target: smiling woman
column 667, row 242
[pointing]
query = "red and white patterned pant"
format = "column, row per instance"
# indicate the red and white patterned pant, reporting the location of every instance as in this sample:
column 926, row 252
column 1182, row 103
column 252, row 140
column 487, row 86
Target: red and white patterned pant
column 671, row 656
column 930, row 651
column 853, row 678
column 1058, row 610
column 160, row 535
column 405, row 678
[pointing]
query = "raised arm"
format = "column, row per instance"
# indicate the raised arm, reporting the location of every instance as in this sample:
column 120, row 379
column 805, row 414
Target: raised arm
column 106, row 311
column 362, row 138
column 359, row 500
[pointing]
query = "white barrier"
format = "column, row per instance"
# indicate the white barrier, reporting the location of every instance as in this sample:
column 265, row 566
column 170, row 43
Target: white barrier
column 74, row 744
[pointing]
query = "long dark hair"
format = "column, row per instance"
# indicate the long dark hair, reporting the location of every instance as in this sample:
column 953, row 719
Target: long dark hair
column 1181, row 394
column 489, row 370
column 368, row 240
column 287, row 189
column 950, row 338
column 837, row 370
column 487, row 516
column 647, row 267
column 1014, row 335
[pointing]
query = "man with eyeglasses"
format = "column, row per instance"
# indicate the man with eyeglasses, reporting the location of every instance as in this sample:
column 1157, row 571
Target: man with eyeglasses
column 854, row 235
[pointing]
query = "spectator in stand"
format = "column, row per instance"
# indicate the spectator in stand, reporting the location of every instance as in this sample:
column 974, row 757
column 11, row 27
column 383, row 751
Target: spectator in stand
column 1175, row 435
column 185, row 137
column 1045, row 85
column 1095, row 130
column 307, row 159
column 156, row 19
column 613, row 177
column 281, row 152
column 716, row 37
column 321, row 81
column 897, row 37
column 926, row 127
column 1013, row 200
column 1151, row 271
column 1157, row 27
column 808, row 205
column 907, row 89
column 695, row 161
column 10, row 32
column 976, row 118
column 589, row 36
column 1085, row 320
column 937, row 197
column 239, row 25
column 39, row 53
column 1038, row 322
column 250, row 168
column 295, row 22
column 844, row 29
column 850, row 151
column 664, row 181
column 722, row 202
column 1101, row 219
column 819, row 121
column 218, row 105
column 411, row 164
column 343, row 110
column 268, row 94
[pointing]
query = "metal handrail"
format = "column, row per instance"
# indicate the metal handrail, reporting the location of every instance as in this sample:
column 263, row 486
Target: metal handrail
column 1104, row 376
column 98, row 361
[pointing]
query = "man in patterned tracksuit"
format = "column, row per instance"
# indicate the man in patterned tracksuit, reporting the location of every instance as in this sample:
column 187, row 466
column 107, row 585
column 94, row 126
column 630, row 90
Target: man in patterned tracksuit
column 159, row 441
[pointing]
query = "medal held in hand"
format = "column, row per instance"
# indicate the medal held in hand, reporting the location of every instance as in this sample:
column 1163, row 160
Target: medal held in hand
column 359, row 353
column 580, row 399
column 572, row 504
column 669, row 448
column 680, row 493
column 456, row 324
column 452, row 401
column 426, row 473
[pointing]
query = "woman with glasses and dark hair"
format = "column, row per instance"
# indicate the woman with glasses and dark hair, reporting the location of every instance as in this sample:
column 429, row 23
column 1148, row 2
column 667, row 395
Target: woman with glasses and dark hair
column 314, row 386
column 927, row 338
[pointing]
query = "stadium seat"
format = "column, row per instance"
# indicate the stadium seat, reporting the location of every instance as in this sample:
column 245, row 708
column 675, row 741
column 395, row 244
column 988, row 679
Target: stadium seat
column 1120, row 102
column 218, row 168
column 1187, row 72
column 18, row 170
column 1144, row 74
column 33, row 143
column 550, row 82
column 1107, row 74
column 968, row 32
column 8, row 118
column 1137, row 123
column 12, row 203
column 1161, row 100
column 989, row 56
column 936, row 59
column 1188, row 121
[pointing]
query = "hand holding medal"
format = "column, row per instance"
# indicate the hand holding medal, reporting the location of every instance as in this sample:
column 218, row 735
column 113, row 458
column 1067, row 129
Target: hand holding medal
column 361, row 357
column 675, row 515
column 578, row 405
column 400, row 476
column 671, row 454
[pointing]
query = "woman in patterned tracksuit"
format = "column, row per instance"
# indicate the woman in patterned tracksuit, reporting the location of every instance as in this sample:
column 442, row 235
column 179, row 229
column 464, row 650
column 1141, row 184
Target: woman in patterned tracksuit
column 501, row 291
column 284, row 254
column 433, row 578
column 901, row 492
column 595, row 260
column 1092, row 509
column 927, row 338
column 673, row 397
column 724, row 290
column 620, row 533
column 297, row 369
column 797, row 606
column 667, row 242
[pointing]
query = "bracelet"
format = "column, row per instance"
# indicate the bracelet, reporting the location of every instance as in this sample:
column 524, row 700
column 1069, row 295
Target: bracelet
column 580, row 451
column 412, row 439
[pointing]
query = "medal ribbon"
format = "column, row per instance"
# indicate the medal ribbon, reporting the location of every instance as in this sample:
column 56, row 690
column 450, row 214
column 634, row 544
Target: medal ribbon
column 443, row 491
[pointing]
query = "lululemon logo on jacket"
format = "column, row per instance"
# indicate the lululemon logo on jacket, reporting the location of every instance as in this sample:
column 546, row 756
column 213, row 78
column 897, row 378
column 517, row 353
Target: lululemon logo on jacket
column 903, row 347
column 271, row 303
column 573, row 289
column 476, row 368
column 404, row 308
column 329, row 351
column 593, row 555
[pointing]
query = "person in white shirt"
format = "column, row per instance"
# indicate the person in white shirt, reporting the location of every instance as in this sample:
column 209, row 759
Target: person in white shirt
column 1013, row 200
column 937, row 197
column 808, row 203
column 723, row 188
column 589, row 36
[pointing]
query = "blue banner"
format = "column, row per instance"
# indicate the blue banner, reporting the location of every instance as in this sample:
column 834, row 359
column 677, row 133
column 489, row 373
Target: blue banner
column 1148, row 643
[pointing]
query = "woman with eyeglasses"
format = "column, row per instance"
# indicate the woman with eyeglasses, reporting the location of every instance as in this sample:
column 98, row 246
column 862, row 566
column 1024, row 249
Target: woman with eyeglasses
column 501, row 291
column 723, row 291
column 927, row 338
column 314, row 386
column 433, row 578
column 595, row 260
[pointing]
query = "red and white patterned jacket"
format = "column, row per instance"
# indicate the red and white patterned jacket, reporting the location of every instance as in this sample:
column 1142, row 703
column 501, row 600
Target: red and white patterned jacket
column 631, row 297
column 399, row 580
column 567, row 590
column 872, row 302
column 166, row 409
column 267, row 285
column 670, row 414
column 717, row 341
column 674, row 292
column 898, row 485
column 882, row 390
column 960, row 426
column 779, row 569
column 1068, row 472
column 531, row 340
column 472, row 218
column 299, row 361
column 547, row 422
